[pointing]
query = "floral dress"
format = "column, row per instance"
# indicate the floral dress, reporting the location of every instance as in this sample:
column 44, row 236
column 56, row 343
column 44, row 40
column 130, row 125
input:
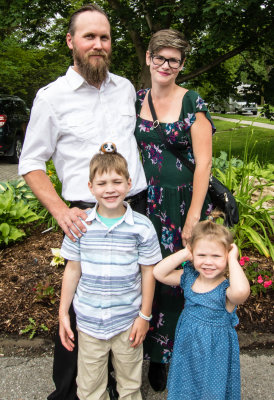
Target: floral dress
column 169, row 198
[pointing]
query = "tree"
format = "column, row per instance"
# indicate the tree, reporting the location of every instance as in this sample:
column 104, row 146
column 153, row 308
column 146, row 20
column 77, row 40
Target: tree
column 217, row 31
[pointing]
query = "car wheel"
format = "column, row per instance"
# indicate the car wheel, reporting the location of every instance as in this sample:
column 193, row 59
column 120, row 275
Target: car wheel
column 17, row 149
column 254, row 112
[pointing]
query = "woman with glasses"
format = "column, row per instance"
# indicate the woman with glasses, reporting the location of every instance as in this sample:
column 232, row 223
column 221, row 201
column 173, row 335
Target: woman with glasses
column 177, row 198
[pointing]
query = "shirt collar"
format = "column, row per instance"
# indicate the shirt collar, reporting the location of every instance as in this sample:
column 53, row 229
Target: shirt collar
column 76, row 80
column 127, row 217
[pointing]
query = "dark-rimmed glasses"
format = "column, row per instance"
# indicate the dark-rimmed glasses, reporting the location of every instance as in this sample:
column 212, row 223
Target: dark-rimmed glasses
column 160, row 60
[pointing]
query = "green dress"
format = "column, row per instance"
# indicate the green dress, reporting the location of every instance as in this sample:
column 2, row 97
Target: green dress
column 169, row 198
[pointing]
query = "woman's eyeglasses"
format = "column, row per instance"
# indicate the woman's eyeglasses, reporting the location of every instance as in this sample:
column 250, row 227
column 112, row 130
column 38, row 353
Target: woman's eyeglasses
column 160, row 60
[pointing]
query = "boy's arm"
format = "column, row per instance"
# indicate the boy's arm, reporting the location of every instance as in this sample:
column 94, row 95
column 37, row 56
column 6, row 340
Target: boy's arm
column 239, row 289
column 69, row 284
column 140, row 325
column 165, row 271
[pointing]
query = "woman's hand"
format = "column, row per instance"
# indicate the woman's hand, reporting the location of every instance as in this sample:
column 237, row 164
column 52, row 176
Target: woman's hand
column 191, row 221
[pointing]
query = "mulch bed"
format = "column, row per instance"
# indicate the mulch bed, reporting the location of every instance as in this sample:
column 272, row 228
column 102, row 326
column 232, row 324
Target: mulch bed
column 25, row 265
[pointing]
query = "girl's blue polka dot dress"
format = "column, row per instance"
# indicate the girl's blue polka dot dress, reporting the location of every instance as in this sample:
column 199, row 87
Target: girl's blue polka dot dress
column 206, row 360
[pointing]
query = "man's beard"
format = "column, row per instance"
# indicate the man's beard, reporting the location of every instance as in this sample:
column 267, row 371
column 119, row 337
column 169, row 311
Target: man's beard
column 93, row 72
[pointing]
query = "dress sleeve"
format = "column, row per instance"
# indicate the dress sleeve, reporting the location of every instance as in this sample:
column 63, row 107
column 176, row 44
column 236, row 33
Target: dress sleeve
column 189, row 272
column 192, row 104
column 141, row 94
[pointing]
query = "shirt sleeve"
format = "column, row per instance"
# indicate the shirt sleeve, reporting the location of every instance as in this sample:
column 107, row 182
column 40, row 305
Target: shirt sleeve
column 41, row 136
column 149, row 252
column 71, row 250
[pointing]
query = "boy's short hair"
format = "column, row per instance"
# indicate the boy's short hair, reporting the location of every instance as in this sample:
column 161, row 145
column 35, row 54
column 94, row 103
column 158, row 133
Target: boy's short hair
column 107, row 162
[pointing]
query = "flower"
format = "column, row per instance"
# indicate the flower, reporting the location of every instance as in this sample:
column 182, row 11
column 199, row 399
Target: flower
column 267, row 283
column 260, row 279
column 57, row 259
column 243, row 260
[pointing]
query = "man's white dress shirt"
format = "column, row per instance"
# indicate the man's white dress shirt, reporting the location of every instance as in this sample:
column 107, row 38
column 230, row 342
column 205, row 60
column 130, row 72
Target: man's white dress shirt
column 70, row 120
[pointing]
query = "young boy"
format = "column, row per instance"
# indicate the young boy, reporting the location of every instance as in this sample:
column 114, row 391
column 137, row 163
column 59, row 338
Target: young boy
column 109, row 277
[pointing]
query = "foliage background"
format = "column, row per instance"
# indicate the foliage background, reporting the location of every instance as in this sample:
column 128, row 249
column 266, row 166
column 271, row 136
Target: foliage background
column 231, row 43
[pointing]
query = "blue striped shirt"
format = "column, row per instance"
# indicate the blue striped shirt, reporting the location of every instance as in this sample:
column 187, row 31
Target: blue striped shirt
column 108, row 296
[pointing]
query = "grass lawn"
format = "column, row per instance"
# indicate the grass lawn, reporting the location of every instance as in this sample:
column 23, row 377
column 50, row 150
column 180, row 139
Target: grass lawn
column 244, row 118
column 259, row 141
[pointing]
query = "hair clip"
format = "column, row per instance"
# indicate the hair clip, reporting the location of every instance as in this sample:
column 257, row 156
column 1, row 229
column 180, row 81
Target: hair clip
column 108, row 147
column 210, row 218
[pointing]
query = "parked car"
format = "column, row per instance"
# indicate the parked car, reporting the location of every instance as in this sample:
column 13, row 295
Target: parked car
column 14, row 116
column 234, row 106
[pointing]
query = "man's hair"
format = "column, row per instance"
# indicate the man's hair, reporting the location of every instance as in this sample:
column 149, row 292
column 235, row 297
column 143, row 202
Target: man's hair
column 168, row 38
column 87, row 7
column 107, row 162
column 210, row 230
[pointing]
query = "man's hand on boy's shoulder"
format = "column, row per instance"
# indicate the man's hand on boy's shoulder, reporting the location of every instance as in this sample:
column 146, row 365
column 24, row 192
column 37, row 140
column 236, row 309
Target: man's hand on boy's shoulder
column 138, row 331
column 71, row 222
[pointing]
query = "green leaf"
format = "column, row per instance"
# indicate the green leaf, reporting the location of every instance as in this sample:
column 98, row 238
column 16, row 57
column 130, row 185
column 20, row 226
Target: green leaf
column 5, row 229
column 256, row 240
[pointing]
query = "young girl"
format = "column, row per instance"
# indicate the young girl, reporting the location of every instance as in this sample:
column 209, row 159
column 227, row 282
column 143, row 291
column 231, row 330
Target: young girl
column 205, row 363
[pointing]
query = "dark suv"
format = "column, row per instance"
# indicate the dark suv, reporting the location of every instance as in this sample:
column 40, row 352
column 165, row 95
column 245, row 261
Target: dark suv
column 14, row 116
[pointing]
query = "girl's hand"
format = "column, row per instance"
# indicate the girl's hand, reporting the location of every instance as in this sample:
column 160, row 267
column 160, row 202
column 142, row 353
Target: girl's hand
column 188, row 253
column 233, row 252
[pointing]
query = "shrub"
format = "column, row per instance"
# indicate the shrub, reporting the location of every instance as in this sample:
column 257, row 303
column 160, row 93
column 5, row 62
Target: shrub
column 247, row 182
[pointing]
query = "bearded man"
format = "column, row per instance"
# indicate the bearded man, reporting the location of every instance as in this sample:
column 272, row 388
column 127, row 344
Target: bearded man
column 70, row 119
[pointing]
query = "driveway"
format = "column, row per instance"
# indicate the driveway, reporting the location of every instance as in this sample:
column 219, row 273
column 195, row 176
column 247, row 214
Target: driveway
column 8, row 172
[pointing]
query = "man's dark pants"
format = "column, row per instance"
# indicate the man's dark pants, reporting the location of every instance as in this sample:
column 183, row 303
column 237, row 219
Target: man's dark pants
column 65, row 362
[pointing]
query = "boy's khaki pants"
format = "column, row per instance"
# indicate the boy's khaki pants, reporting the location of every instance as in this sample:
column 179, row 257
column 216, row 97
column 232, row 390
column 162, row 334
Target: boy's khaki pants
column 93, row 372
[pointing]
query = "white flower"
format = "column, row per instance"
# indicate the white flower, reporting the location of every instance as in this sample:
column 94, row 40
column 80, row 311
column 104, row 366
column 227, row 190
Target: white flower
column 57, row 258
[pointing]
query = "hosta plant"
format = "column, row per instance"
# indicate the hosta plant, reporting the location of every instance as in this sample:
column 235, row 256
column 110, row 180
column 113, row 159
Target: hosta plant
column 14, row 214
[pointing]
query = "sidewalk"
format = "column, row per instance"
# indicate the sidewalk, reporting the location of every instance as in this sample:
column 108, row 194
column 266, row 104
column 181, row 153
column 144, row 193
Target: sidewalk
column 28, row 378
column 254, row 123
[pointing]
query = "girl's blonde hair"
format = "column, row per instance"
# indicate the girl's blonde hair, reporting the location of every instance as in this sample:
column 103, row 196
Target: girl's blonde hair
column 107, row 162
column 210, row 230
